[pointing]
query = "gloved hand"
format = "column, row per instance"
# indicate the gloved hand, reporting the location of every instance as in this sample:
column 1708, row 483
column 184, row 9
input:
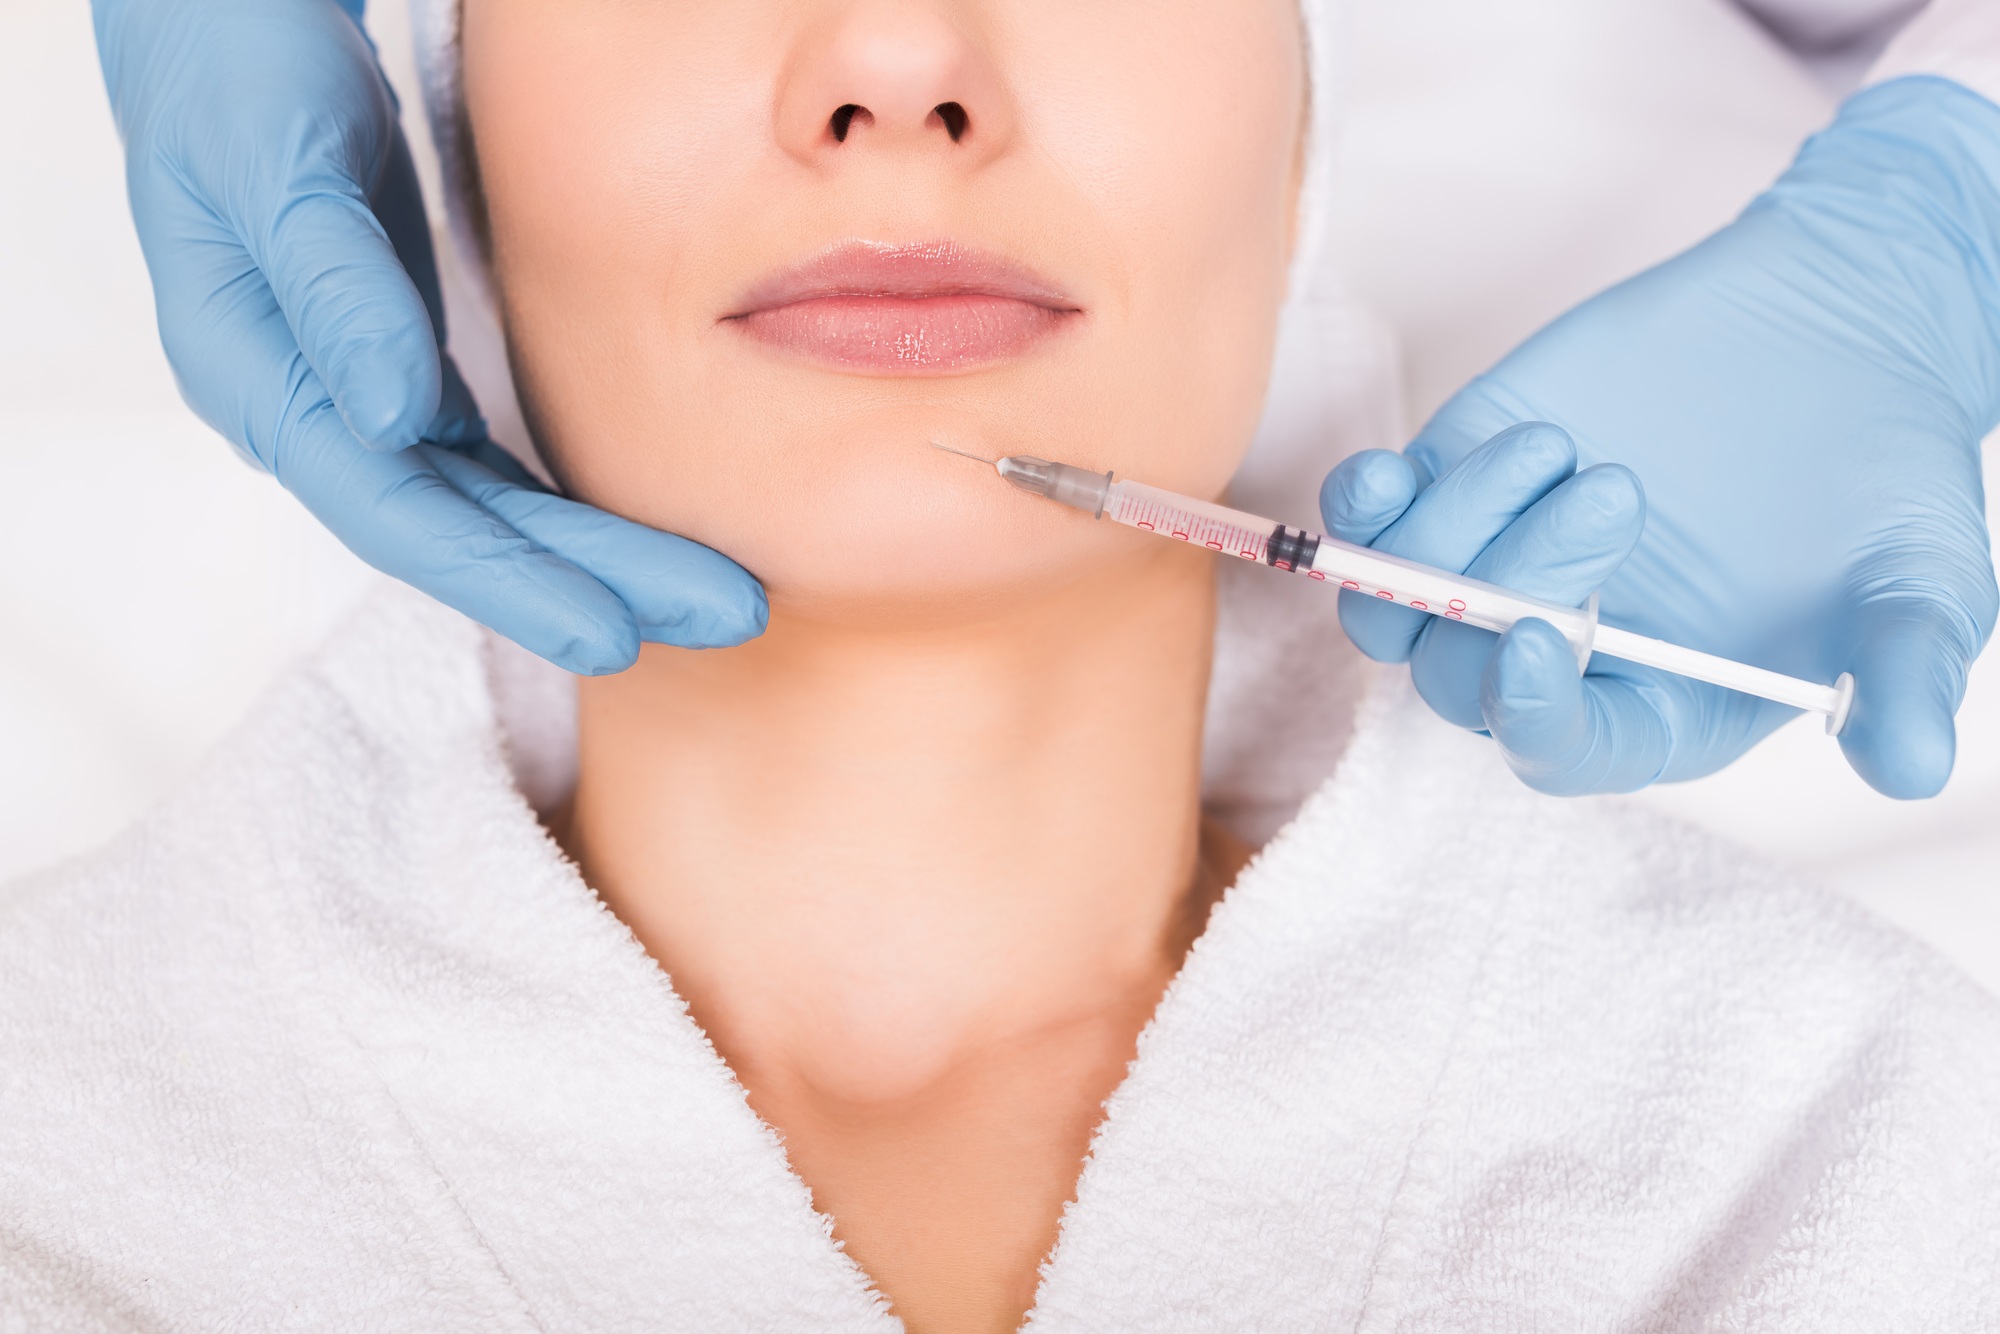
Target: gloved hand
column 1803, row 396
column 298, row 301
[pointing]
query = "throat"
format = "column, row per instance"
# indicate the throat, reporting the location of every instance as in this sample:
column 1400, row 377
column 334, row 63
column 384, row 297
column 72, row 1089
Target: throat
column 875, row 852
column 923, row 891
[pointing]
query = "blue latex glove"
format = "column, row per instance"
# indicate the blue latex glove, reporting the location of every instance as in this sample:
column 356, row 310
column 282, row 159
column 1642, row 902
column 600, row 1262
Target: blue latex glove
column 1803, row 395
column 298, row 302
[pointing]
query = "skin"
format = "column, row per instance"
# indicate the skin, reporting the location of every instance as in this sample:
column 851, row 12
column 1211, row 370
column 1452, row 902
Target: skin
column 923, row 858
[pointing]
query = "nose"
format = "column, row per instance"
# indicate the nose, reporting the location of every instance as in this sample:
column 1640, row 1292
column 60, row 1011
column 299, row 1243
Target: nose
column 891, row 75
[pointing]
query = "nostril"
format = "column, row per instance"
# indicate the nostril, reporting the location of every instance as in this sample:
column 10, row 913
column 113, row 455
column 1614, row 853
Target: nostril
column 843, row 120
column 954, row 118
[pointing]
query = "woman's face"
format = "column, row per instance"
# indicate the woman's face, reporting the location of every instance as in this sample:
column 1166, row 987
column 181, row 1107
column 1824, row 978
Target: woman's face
column 756, row 256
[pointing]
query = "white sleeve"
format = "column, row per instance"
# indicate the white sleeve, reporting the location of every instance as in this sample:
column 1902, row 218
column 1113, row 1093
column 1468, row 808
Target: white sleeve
column 1956, row 39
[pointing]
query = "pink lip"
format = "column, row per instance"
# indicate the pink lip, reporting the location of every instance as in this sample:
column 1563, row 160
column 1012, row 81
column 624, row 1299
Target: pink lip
column 904, row 310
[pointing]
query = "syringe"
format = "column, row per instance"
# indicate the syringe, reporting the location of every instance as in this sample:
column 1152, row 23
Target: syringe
column 1405, row 582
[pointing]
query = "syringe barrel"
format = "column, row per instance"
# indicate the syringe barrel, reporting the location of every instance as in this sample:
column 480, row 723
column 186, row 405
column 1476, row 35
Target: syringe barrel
column 1359, row 569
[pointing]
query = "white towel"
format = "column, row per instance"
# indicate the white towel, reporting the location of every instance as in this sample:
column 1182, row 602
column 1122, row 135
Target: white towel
column 338, row 1041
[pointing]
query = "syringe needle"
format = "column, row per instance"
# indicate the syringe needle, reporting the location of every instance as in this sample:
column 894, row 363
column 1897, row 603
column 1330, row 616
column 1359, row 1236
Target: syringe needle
column 991, row 463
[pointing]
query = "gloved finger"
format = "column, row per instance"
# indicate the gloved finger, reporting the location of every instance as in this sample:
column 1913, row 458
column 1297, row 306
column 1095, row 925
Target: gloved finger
column 458, row 423
column 1910, row 662
column 351, row 305
column 679, row 592
column 397, row 513
column 293, row 197
column 494, row 459
column 217, row 240
column 1571, row 540
column 398, row 202
column 1562, row 550
column 1452, row 520
column 1565, row 734
column 1366, row 493
column 1472, row 416
column 393, row 510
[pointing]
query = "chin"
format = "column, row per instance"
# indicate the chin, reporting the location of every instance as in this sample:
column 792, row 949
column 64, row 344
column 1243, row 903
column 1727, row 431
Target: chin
column 910, row 538
column 852, row 516
column 827, row 487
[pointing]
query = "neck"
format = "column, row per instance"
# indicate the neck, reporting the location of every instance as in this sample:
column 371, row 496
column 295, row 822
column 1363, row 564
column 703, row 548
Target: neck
column 864, row 857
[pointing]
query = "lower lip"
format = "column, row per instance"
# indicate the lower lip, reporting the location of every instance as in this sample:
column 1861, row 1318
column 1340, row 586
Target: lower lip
column 905, row 335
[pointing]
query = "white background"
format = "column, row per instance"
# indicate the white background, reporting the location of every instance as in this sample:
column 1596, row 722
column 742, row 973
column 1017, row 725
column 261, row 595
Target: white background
column 1504, row 159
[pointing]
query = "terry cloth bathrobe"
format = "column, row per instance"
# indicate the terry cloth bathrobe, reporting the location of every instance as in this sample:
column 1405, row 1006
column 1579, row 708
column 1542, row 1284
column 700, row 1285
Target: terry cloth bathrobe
column 337, row 1040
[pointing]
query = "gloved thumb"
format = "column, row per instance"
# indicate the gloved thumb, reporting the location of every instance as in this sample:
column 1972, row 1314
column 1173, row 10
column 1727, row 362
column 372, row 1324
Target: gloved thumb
column 1910, row 657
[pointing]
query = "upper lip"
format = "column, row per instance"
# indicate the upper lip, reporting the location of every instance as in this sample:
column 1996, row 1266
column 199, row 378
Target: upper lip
column 908, row 272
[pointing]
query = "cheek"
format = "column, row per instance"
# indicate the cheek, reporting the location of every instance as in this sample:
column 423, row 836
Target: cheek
column 1177, row 123
column 634, row 192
